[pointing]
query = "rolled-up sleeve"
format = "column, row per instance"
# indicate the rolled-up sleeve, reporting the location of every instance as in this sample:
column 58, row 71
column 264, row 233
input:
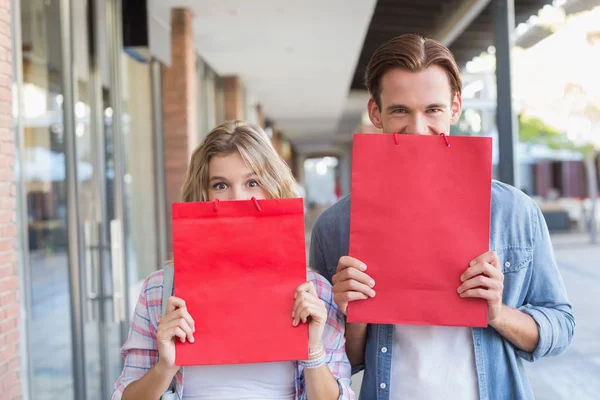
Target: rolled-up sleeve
column 140, row 350
column 333, row 338
column 546, row 301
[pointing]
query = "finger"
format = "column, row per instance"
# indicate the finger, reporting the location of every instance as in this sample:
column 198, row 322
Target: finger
column 174, row 303
column 178, row 313
column 309, row 310
column 489, row 295
column 304, row 287
column 353, row 286
column 482, row 268
column 490, row 257
column 301, row 298
column 308, row 301
column 177, row 332
column 307, row 287
column 480, row 281
column 298, row 304
column 185, row 327
column 342, row 299
column 298, row 318
column 182, row 324
column 352, row 273
column 349, row 262
column 171, row 333
column 312, row 290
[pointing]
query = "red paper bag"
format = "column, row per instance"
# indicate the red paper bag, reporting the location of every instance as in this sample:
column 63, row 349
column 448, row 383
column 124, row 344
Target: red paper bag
column 420, row 212
column 237, row 266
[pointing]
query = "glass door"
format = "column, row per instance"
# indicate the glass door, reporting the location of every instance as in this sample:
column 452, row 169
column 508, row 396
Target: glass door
column 99, row 190
column 71, row 187
column 44, row 190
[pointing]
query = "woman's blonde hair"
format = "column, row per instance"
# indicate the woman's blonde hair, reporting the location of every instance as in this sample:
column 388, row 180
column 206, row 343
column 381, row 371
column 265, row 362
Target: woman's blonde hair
column 255, row 147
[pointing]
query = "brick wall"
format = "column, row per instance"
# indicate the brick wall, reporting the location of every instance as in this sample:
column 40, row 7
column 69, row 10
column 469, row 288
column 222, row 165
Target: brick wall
column 10, row 382
column 234, row 101
column 179, row 107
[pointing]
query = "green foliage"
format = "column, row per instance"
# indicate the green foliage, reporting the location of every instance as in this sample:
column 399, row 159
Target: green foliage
column 534, row 130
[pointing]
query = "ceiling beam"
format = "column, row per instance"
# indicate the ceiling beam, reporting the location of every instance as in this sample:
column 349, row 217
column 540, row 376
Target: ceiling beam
column 456, row 20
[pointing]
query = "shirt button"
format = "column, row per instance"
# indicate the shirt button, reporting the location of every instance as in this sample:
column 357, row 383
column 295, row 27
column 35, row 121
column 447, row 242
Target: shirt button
column 384, row 349
column 383, row 385
column 507, row 264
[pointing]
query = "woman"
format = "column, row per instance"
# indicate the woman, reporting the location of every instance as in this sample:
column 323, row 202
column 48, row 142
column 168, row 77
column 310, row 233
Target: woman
column 236, row 161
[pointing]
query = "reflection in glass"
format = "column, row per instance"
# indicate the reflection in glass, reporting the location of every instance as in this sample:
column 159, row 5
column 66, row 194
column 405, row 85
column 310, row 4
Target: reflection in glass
column 140, row 181
column 44, row 186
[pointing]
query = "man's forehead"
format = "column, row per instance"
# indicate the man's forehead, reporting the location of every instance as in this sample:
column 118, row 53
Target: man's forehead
column 432, row 83
column 416, row 99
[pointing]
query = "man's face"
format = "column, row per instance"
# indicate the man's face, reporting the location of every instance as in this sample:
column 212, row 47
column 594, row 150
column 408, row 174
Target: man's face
column 415, row 102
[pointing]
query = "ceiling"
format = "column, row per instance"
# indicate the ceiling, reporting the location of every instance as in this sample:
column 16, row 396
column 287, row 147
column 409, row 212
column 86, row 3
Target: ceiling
column 305, row 60
column 297, row 57
column 466, row 26
column 480, row 34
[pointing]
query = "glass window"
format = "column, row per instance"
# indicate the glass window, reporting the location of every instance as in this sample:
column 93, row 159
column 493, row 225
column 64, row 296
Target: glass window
column 140, row 179
column 44, row 187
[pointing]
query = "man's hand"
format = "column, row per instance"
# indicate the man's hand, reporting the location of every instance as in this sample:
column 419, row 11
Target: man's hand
column 351, row 282
column 484, row 280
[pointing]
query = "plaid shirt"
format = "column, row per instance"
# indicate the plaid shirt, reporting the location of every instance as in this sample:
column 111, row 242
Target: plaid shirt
column 140, row 351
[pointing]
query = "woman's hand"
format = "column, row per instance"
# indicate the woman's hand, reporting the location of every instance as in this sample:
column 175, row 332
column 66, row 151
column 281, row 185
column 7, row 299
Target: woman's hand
column 308, row 307
column 176, row 323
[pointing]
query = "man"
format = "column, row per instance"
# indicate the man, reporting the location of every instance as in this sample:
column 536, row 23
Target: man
column 415, row 88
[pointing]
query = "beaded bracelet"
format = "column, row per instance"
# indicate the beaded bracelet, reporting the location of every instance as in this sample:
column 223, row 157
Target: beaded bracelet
column 316, row 358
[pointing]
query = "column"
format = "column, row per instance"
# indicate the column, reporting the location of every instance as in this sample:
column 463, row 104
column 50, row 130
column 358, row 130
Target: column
column 179, row 94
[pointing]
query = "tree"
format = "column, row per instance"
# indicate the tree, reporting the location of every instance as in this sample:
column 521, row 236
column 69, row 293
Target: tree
column 534, row 130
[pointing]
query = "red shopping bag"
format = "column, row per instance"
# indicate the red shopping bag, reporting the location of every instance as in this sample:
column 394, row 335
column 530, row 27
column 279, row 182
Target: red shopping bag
column 420, row 212
column 237, row 266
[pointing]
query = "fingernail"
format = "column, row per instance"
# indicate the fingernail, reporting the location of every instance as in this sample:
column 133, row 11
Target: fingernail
column 372, row 293
column 183, row 340
column 372, row 282
column 293, row 313
column 363, row 267
column 462, row 278
column 294, row 323
column 295, row 295
column 192, row 340
column 473, row 263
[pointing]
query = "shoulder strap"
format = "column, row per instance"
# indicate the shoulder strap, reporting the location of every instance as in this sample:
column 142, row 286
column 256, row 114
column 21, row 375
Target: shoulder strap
column 169, row 273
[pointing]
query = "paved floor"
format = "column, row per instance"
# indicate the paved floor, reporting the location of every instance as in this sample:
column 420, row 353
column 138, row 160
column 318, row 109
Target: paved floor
column 576, row 373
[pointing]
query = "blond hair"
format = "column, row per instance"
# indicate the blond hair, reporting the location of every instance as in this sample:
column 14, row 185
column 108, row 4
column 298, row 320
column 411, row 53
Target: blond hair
column 256, row 149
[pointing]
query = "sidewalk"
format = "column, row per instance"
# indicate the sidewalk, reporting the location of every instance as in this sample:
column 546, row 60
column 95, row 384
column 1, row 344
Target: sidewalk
column 576, row 373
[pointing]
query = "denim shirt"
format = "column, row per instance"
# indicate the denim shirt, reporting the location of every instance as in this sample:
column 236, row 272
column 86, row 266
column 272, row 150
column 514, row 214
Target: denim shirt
column 532, row 284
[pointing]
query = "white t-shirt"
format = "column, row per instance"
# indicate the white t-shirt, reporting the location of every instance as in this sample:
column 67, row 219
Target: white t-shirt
column 433, row 362
column 240, row 381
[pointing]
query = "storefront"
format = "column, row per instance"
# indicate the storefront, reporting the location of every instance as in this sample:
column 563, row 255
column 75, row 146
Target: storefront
column 87, row 182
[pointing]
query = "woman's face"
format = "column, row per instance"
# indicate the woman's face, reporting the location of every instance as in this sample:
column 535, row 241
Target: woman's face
column 229, row 178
